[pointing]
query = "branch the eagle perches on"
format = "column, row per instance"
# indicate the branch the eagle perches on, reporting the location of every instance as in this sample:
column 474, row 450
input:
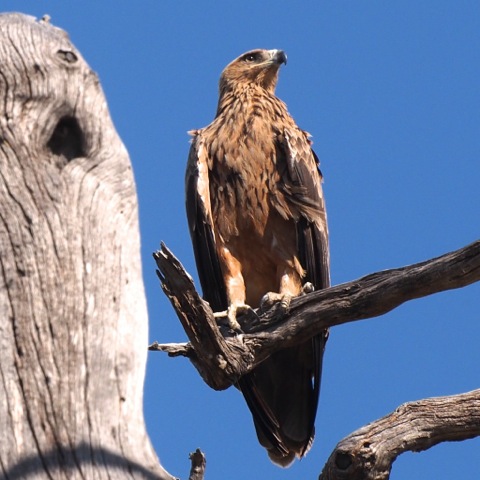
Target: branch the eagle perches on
column 222, row 357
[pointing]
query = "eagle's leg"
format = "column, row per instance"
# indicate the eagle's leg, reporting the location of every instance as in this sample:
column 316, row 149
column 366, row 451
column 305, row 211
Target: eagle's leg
column 236, row 292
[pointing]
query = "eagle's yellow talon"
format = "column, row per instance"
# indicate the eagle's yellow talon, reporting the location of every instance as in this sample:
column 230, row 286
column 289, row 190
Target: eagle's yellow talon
column 270, row 298
column 231, row 315
column 307, row 288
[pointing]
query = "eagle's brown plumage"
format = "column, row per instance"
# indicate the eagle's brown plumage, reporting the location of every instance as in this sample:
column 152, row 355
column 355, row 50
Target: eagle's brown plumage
column 258, row 224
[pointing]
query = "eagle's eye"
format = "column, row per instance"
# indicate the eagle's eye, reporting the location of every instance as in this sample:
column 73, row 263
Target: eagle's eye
column 250, row 57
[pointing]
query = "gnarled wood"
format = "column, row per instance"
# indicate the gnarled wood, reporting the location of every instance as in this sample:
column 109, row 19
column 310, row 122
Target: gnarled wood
column 369, row 452
column 199, row 463
column 73, row 314
column 310, row 314
column 197, row 319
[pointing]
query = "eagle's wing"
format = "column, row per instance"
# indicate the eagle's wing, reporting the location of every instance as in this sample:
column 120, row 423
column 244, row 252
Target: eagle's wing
column 283, row 391
column 200, row 223
column 303, row 178
column 302, row 189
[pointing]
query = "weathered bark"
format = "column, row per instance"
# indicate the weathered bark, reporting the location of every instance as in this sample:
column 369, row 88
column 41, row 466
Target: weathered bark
column 73, row 316
column 368, row 453
column 221, row 358
column 209, row 350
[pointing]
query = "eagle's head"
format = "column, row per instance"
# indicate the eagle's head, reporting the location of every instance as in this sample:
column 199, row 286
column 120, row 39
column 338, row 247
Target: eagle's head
column 257, row 66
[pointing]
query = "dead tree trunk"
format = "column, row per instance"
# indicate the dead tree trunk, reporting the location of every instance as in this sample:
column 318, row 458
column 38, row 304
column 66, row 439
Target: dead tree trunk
column 73, row 328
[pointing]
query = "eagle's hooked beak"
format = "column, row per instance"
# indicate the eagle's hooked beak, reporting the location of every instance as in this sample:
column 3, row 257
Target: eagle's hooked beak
column 278, row 56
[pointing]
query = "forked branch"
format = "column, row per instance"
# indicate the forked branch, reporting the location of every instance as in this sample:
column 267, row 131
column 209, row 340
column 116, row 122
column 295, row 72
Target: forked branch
column 221, row 357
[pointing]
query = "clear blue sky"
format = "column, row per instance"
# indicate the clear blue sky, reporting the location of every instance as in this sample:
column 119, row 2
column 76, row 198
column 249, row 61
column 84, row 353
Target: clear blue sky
column 390, row 92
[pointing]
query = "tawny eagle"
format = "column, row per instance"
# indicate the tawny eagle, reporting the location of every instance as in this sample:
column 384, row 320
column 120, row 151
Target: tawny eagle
column 258, row 224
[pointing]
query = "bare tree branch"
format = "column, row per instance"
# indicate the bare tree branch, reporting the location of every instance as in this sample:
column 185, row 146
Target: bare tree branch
column 199, row 463
column 209, row 348
column 221, row 358
column 369, row 452
column 173, row 349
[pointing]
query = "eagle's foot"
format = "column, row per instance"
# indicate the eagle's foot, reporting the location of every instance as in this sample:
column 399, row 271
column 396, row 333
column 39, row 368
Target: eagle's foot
column 270, row 298
column 307, row 288
column 231, row 315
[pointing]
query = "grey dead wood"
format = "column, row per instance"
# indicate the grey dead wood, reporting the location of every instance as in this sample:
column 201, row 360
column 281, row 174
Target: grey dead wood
column 199, row 463
column 368, row 453
column 73, row 325
column 222, row 357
